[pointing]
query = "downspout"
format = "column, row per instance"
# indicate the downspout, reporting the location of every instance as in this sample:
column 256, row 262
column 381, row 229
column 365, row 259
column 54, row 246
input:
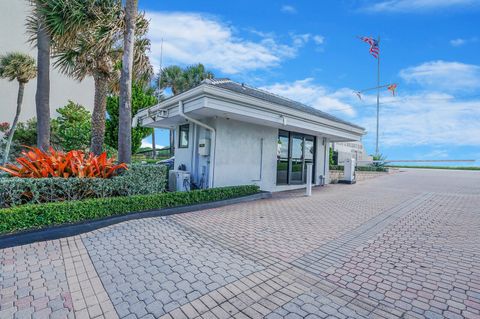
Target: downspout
column 212, row 144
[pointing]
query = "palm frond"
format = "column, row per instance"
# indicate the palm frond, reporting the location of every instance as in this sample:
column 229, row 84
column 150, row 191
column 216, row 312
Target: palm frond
column 18, row 66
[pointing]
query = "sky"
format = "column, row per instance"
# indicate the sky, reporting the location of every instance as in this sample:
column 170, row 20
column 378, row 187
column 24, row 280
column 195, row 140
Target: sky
column 309, row 51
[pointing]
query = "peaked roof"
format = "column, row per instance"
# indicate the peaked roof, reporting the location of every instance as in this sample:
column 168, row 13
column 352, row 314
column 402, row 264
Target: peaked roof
column 241, row 88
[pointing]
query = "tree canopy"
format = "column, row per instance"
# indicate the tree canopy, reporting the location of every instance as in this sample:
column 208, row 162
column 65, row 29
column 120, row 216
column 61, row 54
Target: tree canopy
column 142, row 97
column 180, row 80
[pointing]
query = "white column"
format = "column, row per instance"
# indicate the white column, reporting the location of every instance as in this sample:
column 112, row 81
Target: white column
column 309, row 179
column 326, row 171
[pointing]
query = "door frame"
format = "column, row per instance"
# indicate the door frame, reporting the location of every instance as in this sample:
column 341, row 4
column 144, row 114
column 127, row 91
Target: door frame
column 289, row 160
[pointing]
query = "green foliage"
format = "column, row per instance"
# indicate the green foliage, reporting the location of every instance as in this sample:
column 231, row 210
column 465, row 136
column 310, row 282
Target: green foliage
column 17, row 66
column 49, row 214
column 380, row 158
column 139, row 179
column 360, row 168
column 333, row 157
column 26, row 133
column 141, row 98
column 180, row 80
column 72, row 129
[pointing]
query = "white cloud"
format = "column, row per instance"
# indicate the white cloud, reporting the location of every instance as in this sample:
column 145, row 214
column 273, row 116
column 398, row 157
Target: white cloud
column 192, row 38
column 413, row 6
column 428, row 118
column 300, row 39
column 318, row 39
column 460, row 41
column 288, row 9
column 457, row 42
column 448, row 76
column 146, row 143
column 312, row 94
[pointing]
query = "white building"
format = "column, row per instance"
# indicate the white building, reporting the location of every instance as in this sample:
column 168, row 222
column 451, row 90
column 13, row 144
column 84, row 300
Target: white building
column 228, row 134
column 13, row 37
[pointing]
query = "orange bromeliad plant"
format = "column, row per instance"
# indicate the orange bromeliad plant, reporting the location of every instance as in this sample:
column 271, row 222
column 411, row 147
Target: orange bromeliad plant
column 36, row 163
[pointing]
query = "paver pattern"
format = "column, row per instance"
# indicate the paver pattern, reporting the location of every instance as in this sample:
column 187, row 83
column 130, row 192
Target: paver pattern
column 399, row 246
column 156, row 266
column 33, row 281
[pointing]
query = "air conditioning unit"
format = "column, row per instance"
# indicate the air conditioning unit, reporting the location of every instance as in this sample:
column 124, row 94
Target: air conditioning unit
column 178, row 181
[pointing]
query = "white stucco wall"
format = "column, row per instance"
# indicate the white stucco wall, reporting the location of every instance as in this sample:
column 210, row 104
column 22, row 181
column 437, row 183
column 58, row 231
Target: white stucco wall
column 237, row 154
column 245, row 154
column 321, row 159
column 13, row 38
column 240, row 157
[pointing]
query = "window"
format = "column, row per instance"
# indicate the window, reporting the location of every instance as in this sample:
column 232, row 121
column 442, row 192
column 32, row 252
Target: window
column 183, row 136
column 282, row 157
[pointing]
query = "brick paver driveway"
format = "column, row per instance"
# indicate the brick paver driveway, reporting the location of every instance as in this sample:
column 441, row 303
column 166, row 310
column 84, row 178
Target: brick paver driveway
column 404, row 245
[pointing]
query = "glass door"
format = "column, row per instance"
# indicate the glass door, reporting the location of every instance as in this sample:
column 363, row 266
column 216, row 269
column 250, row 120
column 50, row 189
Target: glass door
column 297, row 157
column 294, row 151
column 282, row 158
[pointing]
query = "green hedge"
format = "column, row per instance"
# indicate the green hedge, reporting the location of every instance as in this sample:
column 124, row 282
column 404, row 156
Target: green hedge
column 361, row 168
column 137, row 180
column 41, row 215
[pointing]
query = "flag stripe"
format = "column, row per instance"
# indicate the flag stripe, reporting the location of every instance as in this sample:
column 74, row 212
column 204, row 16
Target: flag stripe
column 374, row 47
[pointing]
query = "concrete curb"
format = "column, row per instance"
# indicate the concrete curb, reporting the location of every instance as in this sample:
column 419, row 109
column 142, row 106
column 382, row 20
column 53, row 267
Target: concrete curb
column 56, row 232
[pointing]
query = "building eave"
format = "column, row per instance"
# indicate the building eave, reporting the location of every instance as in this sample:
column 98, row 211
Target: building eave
column 169, row 108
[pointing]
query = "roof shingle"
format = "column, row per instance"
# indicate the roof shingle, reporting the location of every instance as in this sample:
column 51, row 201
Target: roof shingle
column 272, row 98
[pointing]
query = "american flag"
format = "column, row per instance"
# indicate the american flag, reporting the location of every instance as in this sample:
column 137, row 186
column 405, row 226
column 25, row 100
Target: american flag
column 392, row 87
column 374, row 48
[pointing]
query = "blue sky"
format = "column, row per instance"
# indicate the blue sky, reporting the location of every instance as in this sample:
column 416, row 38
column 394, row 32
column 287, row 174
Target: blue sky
column 308, row 51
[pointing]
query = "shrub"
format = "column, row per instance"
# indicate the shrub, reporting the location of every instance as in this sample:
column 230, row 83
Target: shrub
column 36, row 163
column 139, row 179
column 361, row 168
column 42, row 215
column 71, row 130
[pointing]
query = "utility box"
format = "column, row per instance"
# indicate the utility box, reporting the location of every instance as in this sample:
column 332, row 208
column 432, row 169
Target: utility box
column 348, row 172
column 204, row 147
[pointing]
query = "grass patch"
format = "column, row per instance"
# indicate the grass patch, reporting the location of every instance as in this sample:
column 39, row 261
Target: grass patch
column 32, row 216
column 461, row 168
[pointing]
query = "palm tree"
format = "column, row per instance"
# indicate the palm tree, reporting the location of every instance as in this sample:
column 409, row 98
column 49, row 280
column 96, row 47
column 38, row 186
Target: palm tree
column 42, row 96
column 20, row 67
column 180, row 80
column 172, row 77
column 125, row 107
column 195, row 74
column 86, row 41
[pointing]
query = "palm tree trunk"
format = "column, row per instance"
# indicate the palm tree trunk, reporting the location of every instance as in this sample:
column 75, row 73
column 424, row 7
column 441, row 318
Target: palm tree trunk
column 98, row 115
column 42, row 96
column 125, row 110
column 21, row 88
column 154, row 145
column 172, row 142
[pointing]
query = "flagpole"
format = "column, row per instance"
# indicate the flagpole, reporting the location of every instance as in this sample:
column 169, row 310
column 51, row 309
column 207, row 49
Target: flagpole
column 378, row 97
